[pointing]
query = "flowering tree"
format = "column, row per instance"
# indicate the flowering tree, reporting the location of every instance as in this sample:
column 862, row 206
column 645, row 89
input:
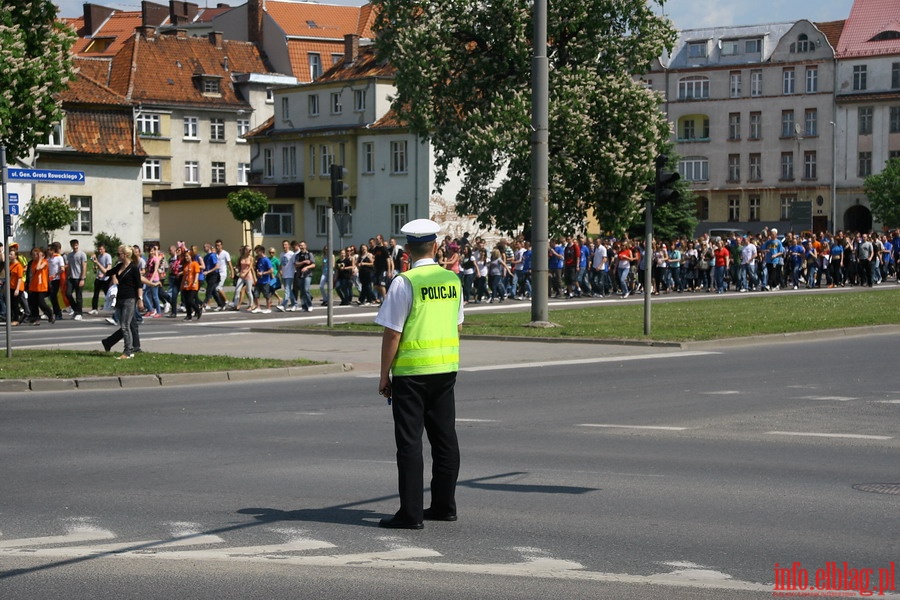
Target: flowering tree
column 35, row 66
column 464, row 82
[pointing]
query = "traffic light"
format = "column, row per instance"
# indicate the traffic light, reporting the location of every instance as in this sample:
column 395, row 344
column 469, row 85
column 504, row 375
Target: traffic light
column 338, row 188
column 665, row 193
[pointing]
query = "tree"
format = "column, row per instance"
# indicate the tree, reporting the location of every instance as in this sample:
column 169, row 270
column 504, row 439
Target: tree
column 247, row 206
column 464, row 82
column 883, row 191
column 34, row 52
column 674, row 219
column 48, row 214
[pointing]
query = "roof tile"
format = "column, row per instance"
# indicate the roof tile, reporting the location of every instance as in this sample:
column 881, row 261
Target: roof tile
column 867, row 19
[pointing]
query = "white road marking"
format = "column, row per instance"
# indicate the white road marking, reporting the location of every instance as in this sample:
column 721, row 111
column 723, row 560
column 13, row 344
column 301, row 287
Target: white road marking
column 586, row 361
column 835, row 398
column 888, row 401
column 656, row 427
column 721, row 393
column 477, row 421
column 78, row 533
column 851, row 436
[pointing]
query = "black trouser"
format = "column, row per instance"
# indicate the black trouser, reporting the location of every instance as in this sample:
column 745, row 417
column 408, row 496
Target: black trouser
column 100, row 285
column 212, row 282
column 191, row 300
column 54, row 298
column 74, row 294
column 425, row 401
column 38, row 301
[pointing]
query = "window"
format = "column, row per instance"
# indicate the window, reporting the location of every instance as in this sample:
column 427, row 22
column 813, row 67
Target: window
column 218, row 173
column 809, row 164
column 312, row 159
column 812, row 80
column 756, row 82
column 327, row 159
column 399, row 218
column 148, row 124
column 268, row 162
column 314, row 105
column 895, row 75
column 860, row 74
column 688, row 130
column 289, row 162
column 753, row 205
column 895, row 119
column 693, row 88
column 787, row 81
column 786, row 202
column 755, row 125
column 703, row 208
column 315, row 65
column 277, row 220
column 191, row 128
column 756, row 167
column 55, row 138
column 730, row 48
column 322, row 220
column 802, row 45
column 368, row 152
column 270, row 96
column 865, row 164
column 398, row 157
column 285, row 162
column 336, row 106
column 865, row 120
column 83, row 214
column 734, row 126
column 787, row 166
column 753, row 46
column 697, row 50
column 217, row 130
column 811, row 121
column 787, row 123
column 285, row 109
column 210, row 85
column 893, row 154
column 243, row 173
column 734, row 208
column 152, row 170
column 694, row 168
column 734, row 167
column 336, row 58
column 191, row 171
column 735, row 84
column 359, row 100
column 243, row 128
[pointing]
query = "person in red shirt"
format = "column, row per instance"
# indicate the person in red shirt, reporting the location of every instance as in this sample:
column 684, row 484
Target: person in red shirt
column 39, row 287
column 722, row 257
column 190, row 285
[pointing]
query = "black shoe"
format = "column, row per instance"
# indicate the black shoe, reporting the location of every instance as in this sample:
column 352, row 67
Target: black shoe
column 430, row 515
column 395, row 523
column 106, row 345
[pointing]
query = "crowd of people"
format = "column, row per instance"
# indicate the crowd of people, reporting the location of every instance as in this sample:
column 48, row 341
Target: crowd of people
column 51, row 282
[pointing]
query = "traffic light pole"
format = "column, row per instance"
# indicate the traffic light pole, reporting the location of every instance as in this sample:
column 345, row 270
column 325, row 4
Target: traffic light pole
column 327, row 266
column 7, row 294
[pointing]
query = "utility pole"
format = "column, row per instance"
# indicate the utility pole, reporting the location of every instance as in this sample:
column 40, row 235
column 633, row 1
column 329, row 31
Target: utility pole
column 540, row 152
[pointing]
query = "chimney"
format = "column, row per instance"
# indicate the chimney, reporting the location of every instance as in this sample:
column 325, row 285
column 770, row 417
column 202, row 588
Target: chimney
column 351, row 48
column 178, row 33
column 95, row 16
column 181, row 13
column 148, row 32
column 152, row 14
column 255, row 10
column 215, row 38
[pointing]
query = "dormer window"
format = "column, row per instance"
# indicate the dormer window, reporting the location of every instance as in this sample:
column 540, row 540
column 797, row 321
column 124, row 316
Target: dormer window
column 99, row 44
column 886, row 35
column 753, row 46
column 697, row 50
column 802, row 45
column 730, row 48
column 56, row 135
column 210, row 85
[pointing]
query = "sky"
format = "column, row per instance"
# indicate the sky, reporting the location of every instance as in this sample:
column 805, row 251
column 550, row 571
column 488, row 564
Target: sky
column 686, row 14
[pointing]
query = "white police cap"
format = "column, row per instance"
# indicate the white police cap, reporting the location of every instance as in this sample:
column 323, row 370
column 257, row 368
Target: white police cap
column 420, row 230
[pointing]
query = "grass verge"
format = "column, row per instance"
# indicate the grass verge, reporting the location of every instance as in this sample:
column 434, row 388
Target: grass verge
column 697, row 320
column 71, row 364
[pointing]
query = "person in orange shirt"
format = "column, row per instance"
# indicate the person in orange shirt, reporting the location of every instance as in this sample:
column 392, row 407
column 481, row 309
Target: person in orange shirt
column 16, row 287
column 39, row 286
column 190, row 285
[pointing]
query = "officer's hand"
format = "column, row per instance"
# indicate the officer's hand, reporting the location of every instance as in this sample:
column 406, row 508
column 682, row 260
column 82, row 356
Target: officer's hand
column 384, row 387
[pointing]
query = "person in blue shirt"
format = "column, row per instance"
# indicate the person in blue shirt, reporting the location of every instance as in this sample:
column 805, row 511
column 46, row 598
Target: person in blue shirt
column 556, row 267
column 836, row 263
column 264, row 278
column 798, row 255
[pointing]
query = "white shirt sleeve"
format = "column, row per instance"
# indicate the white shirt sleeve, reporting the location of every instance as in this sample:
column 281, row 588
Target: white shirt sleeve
column 396, row 306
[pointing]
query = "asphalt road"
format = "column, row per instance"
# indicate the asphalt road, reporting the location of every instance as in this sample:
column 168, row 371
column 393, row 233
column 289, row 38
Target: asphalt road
column 638, row 475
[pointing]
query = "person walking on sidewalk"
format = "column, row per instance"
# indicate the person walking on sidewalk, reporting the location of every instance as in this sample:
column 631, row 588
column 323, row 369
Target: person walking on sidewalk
column 129, row 300
column 421, row 315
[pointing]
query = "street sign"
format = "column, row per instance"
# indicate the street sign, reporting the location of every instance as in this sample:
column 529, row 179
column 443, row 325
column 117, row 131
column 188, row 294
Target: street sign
column 13, row 209
column 13, row 198
column 46, row 176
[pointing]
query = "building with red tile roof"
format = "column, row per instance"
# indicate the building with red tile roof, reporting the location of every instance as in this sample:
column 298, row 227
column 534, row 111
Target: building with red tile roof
column 867, row 98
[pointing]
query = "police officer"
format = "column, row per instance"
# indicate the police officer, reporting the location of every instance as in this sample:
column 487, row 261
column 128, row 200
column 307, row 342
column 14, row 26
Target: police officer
column 421, row 315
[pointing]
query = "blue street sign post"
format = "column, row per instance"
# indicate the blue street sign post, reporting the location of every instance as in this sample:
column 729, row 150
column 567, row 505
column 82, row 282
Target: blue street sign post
column 46, row 176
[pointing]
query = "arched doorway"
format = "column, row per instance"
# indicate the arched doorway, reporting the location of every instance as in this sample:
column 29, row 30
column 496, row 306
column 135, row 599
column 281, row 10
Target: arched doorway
column 858, row 218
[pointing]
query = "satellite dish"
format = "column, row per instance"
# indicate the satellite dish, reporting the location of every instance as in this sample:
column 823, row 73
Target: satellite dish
column 798, row 129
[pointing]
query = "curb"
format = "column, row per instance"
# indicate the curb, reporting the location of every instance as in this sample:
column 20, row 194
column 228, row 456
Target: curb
column 166, row 379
